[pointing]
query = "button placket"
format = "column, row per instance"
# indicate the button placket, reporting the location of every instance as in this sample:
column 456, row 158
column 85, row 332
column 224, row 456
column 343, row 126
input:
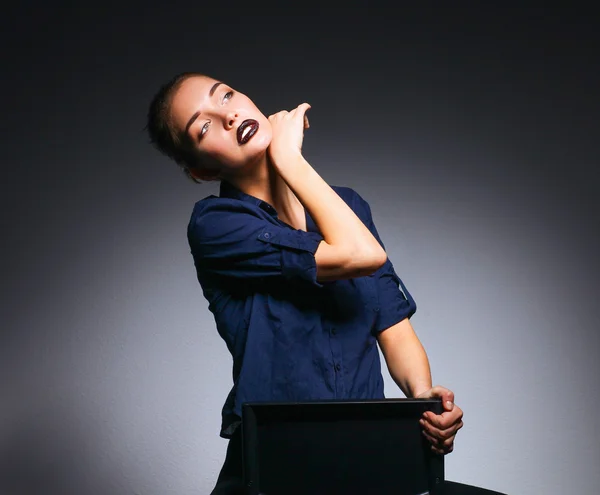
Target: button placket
column 337, row 358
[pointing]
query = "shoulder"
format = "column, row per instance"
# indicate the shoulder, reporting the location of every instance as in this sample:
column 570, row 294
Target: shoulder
column 354, row 200
column 215, row 203
column 217, row 216
column 215, row 208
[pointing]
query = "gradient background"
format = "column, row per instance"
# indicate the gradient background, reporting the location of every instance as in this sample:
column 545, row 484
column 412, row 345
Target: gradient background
column 472, row 133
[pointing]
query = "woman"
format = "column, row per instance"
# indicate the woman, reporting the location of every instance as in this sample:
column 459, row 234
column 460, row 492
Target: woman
column 294, row 271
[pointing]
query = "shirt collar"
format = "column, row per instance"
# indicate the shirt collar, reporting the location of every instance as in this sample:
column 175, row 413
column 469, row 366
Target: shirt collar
column 228, row 190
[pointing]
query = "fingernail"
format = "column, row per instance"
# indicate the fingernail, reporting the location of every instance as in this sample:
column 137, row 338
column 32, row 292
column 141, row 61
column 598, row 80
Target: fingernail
column 450, row 405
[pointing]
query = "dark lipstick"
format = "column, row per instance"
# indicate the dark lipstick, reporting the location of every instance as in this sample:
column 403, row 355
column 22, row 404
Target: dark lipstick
column 246, row 130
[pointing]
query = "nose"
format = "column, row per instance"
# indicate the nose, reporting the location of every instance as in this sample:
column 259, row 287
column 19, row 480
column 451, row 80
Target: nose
column 230, row 119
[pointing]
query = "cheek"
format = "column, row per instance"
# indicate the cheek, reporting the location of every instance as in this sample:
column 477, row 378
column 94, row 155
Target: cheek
column 221, row 149
column 263, row 139
column 265, row 133
column 214, row 152
column 218, row 144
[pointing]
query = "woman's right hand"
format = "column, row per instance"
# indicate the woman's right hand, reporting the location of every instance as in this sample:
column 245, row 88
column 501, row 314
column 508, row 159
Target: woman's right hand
column 288, row 133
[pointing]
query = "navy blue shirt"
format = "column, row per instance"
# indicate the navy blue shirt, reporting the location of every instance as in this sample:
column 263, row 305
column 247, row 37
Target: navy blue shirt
column 291, row 337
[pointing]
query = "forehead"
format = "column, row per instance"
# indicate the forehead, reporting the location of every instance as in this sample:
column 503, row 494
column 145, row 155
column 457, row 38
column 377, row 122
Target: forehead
column 189, row 98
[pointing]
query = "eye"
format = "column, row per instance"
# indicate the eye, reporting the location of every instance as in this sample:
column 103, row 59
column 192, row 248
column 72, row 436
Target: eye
column 227, row 96
column 204, row 129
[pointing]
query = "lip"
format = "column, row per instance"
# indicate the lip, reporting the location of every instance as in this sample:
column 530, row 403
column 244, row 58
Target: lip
column 253, row 124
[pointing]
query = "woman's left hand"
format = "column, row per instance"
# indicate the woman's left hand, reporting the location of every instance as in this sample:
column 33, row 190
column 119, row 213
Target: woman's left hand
column 440, row 429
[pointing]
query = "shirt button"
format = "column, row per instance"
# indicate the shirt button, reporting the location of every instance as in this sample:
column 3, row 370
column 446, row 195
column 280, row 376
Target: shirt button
column 338, row 367
column 267, row 235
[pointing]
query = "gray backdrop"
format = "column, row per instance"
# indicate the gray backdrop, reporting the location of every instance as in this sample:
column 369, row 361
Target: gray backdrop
column 473, row 135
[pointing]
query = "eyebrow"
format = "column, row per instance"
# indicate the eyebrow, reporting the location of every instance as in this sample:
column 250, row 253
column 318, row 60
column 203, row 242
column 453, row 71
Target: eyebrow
column 197, row 114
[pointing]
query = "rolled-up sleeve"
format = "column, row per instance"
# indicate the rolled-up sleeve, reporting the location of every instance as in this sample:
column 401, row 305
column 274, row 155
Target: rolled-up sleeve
column 395, row 302
column 235, row 239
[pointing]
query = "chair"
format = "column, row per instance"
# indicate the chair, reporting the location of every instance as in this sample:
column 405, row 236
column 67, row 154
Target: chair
column 372, row 447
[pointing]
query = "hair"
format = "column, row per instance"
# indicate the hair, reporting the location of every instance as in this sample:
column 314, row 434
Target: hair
column 165, row 138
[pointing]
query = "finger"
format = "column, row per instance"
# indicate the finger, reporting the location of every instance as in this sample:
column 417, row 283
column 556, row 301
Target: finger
column 447, row 396
column 439, row 432
column 443, row 450
column 276, row 115
column 303, row 107
column 442, row 435
column 445, row 419
column 438, row 447
column 446, row 446
column 443, row 393
column 443, row 424
column 433, row 440
column 300, row 110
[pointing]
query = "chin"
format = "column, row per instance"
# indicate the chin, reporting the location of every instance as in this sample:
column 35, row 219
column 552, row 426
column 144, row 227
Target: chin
column 261, row 141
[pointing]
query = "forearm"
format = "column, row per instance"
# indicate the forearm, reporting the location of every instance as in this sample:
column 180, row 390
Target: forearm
column 339, row 225
column 406, row 358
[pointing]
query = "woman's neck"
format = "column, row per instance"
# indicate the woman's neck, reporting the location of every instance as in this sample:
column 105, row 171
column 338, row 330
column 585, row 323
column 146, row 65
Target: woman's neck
column 263, row 182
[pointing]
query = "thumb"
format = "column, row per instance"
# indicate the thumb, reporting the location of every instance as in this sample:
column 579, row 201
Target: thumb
column 303, row 107
column 301, row 113
column 446, row 396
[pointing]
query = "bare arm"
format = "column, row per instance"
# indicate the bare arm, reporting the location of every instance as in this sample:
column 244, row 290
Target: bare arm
column 406, row 359
column 348, row 248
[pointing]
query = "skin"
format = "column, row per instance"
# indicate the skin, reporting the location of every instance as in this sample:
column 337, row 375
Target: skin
column 211, row 133
column 213, row 138
column 408, row 365
column 271, row 167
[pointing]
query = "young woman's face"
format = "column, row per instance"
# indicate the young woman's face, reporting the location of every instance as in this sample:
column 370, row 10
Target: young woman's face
column 225, row 127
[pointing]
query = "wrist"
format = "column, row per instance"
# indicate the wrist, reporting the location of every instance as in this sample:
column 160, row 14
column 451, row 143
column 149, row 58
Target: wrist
column 289, row 165
column 420, row 389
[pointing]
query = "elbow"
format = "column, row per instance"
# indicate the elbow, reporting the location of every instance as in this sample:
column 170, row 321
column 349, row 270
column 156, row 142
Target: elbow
column 381, row 259
column 368, row 261
column 334, row 263
column 377, row 259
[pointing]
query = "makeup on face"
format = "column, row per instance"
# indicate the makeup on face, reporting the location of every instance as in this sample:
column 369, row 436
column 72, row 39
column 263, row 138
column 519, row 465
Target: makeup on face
column 246, row 130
